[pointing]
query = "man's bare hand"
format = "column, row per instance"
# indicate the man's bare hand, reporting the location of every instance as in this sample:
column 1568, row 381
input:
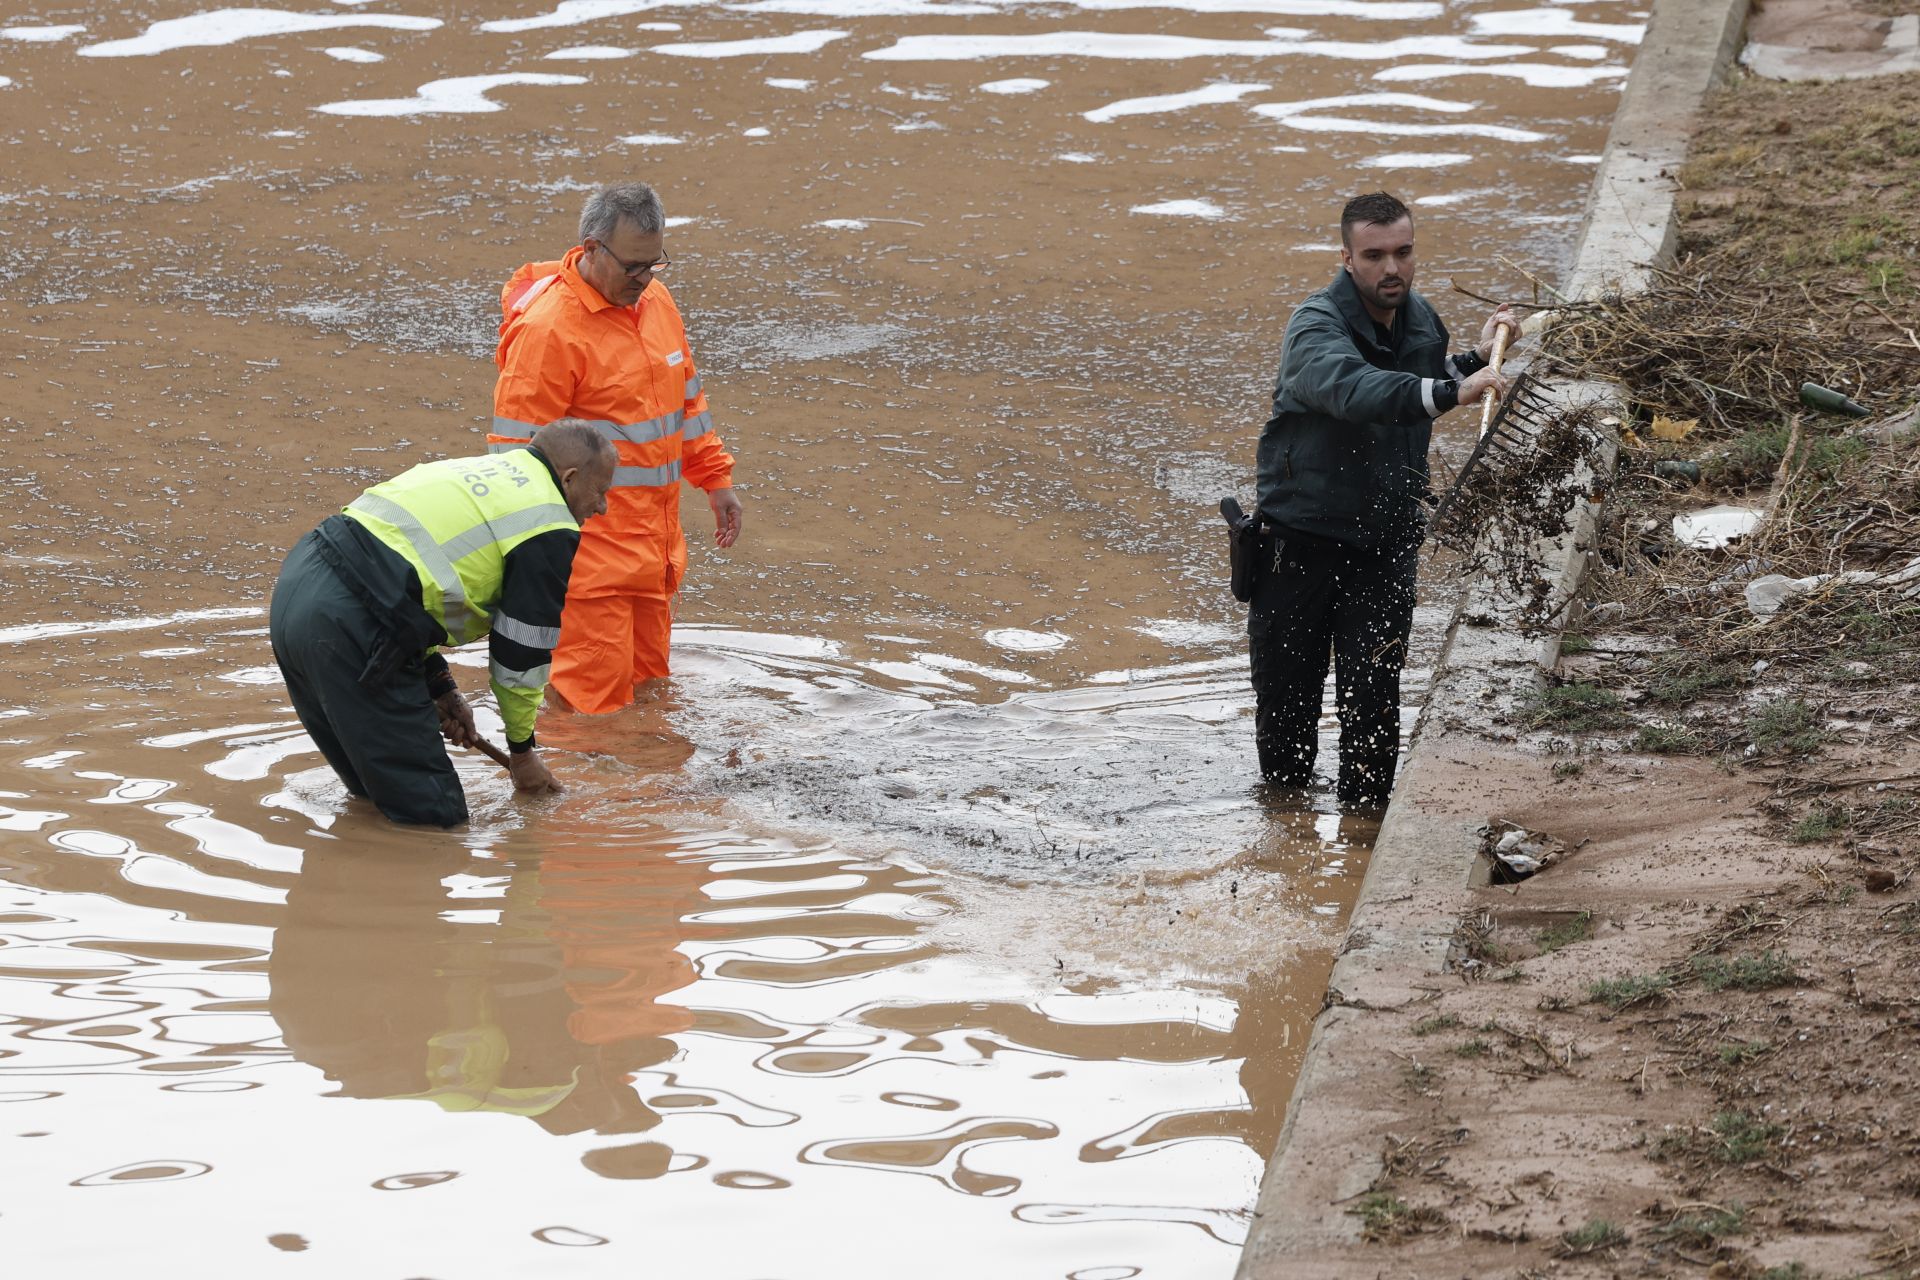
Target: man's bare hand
column 530, row 775
column 726, row 517
column 1478, row 384
column 456, row 719
column 1502, row 316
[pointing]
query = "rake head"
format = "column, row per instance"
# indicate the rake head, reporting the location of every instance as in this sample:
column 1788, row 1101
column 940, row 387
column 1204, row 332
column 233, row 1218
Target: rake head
column 1508, row 435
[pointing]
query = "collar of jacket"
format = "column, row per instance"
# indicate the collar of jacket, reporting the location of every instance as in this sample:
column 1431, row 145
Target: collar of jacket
column 591, row 298
column 1360, row 321
column 549, row 466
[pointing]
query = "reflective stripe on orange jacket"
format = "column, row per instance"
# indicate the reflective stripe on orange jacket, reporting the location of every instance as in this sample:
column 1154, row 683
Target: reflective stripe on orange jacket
column 566, row 352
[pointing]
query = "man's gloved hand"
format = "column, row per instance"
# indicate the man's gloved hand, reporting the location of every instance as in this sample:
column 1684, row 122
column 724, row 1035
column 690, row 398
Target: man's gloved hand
column 1476, row 386
column 456, row 719
column 530, row 775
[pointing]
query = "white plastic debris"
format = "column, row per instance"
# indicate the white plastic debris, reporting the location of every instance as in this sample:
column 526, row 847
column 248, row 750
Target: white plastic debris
column 1714, row 527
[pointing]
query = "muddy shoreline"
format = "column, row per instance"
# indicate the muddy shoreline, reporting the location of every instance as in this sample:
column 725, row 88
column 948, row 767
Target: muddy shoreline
column 1673, row 1051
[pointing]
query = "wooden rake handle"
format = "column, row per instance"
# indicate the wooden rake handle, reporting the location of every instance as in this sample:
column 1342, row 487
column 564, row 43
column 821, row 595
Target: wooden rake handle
column 492, row 753
column 1502, row 334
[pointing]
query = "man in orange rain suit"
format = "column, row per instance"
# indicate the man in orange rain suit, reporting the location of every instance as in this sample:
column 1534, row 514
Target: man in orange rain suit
column 596, row 336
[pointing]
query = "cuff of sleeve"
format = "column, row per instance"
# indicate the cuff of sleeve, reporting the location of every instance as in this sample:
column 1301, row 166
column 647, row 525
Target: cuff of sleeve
column 516, row 748
column 440, row 681
column 1427, row 401
column 724, row 482
column 1467, row 363
column 1446, row 395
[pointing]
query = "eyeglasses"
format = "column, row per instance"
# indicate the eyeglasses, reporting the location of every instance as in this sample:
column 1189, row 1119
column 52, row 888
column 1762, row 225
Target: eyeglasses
column 635, row 270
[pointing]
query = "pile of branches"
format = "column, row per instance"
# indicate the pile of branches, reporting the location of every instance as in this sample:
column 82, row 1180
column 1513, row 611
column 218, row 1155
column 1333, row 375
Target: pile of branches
column 1851, row 533
column 1710, row 339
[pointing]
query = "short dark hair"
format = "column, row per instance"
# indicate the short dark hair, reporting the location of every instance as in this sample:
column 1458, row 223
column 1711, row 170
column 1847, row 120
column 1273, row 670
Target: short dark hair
column 1379, row 208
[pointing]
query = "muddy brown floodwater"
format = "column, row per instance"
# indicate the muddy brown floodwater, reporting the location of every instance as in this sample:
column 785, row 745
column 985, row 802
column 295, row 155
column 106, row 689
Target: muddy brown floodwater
column 927, row 923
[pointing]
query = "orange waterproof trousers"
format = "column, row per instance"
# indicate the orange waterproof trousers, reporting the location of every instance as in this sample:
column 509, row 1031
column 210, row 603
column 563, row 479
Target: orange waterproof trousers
column 607, row 645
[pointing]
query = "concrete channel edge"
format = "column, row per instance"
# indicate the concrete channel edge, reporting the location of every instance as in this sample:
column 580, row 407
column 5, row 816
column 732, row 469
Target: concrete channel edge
column 1427, row 852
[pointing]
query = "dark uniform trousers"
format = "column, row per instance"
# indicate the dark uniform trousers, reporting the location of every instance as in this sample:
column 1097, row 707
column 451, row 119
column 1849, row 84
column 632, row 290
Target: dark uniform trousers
column 381, row 736
column 1324, row 597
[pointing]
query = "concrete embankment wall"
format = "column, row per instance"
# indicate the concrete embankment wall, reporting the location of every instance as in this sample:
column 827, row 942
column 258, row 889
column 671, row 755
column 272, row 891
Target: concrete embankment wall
column 1410, row 903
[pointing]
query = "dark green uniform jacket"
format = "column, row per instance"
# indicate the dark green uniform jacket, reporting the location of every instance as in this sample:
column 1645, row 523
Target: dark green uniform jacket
column 1344, row 456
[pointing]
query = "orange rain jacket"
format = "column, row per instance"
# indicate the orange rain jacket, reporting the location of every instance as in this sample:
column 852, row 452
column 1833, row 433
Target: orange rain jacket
column 566, row 352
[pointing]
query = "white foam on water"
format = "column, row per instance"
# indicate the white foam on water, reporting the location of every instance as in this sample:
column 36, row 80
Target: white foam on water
column 863, row 8
column 657, row 26
column 843, row 224
column 757, row 132
column 230, row 26
column 1387, row 128
column 1182, row 209
column 571, row 13
column 1077, row 157
column 1449, row 197
column 1017, row 85
column 1315, row 248
column 1020, row 641
column 49, row 630
column 1586, row 52
column 39, row 35
column 347, row 53
column 916, row 126
column 1554, row 22
column 651, row 140
column 1541, row 75
column 1578, row 159
column 798, row 42
column 1415, row 101
column 680, row 222
column 286, row 133
column 4, row 82
column 591, row 53
column 461, row 95
column 1417, row 160
column 1204, row 96
column 1382, row 10
column 1290, row 151
column 282, row 72
column 782, row 82
column 1185, row 633
column 1136, row 46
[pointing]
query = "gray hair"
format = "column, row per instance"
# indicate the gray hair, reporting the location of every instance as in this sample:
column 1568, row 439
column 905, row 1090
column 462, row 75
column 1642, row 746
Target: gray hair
column 633, row 202
column 571, row 442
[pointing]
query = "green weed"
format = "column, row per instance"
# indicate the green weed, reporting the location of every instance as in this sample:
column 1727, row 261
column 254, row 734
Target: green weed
column 1678, row 680
column 1566, row 933
column 1703, row 1230
column 1735, row 1052
column 1575, row 707
column 1438, row 1022
column 1745, row 973
column 1668, row 740
column 1596, row 1235
column 1475, row 1048
column 1385, row 1216
column 1743, row 1139
column 1786, row 726
column 1622, row 993
column 1568, row 769
column 1819, row 824
column 1574, row 642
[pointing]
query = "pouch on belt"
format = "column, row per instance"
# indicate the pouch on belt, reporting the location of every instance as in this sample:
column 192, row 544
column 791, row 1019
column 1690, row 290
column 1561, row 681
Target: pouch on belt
column 1251, row 550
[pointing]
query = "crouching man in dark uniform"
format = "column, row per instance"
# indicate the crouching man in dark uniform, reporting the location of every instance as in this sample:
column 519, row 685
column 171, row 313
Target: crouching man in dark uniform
column 442, row 554
column 1343, row 481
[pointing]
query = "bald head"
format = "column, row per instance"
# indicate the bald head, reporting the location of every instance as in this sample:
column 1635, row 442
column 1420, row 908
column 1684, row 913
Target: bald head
column 583, row 459
column 572, row 443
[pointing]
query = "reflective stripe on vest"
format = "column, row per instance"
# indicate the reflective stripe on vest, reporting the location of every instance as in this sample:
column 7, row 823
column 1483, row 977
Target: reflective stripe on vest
column 525, row 633
column 623, row 477
column 693, row 387
column 653, row 429
column 696, row 426
column 455, row 521
column 455, row 616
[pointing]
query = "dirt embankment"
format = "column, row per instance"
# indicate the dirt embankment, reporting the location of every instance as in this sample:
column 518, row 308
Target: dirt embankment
column 1689, row 1046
